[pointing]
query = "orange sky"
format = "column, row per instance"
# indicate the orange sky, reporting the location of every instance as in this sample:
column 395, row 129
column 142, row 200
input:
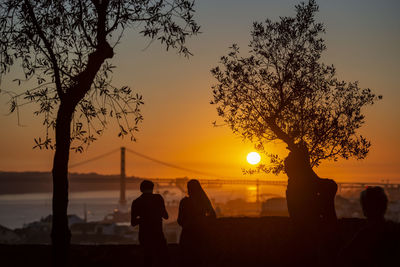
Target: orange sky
column 362, row 40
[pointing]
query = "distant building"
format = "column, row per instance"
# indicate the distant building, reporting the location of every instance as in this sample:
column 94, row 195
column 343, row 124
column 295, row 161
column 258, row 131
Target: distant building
column 347, row 208
column 84, row 228
column 8, row 236
column 274, row 207
column 106, row 228
column 117, row 217
column 45, row 223
column 39, row 231
column 94, row 228
column 393, row 211
column 172, row 231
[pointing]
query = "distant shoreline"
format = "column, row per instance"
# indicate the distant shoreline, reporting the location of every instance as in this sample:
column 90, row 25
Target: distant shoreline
column 41, row 182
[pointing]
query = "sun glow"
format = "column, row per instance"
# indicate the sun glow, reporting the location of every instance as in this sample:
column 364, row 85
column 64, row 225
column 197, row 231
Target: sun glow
column 253, row 158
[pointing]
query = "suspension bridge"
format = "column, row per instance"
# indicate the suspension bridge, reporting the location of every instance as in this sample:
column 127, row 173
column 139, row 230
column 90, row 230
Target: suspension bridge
column 180, row 182
column 217, row 180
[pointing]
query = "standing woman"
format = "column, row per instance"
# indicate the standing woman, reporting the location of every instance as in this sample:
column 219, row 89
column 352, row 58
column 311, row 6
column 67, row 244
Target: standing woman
column 196, row 215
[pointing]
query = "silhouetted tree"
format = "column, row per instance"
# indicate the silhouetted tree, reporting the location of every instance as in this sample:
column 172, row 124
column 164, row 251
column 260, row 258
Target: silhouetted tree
column 63, row 48
column 281, row 91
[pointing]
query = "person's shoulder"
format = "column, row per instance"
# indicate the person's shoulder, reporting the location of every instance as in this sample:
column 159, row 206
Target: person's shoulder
column 184, row 200
column 158, row 197
column 138, row 199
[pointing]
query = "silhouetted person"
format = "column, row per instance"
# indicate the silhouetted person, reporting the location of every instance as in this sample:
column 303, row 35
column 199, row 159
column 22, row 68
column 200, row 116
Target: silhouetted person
column 147, row 211
column 310, row 202
column 374, row 204
column 377, row 243
column 195, row 216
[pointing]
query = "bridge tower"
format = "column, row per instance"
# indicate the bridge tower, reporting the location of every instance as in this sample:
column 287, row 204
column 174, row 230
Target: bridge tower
column 122, row 198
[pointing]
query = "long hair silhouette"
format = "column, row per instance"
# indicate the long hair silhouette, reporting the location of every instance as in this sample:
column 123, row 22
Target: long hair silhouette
column 197, row 194
column 196, row 216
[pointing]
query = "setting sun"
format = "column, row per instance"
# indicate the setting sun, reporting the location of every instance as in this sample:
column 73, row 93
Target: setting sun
column 253, row 158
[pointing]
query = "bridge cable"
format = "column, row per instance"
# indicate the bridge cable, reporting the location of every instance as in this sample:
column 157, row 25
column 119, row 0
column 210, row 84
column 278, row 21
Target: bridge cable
column 93, row 159
column 176, row 166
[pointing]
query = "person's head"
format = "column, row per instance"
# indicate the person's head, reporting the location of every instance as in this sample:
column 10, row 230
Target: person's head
column 146, row 186
column 374, row 202
column 197, row 194
column 194, row 188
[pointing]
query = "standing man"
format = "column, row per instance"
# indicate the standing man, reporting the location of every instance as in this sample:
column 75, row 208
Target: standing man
column 147, row 211
column 377, row 243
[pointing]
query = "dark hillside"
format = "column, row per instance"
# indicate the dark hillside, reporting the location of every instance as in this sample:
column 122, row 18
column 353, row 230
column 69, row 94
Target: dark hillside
column 266, row 241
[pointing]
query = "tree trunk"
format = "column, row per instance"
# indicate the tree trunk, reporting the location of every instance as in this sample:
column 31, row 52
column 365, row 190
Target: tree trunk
column 60, row 233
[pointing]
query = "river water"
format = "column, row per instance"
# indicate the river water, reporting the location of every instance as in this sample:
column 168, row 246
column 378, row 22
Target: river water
column 19, row 209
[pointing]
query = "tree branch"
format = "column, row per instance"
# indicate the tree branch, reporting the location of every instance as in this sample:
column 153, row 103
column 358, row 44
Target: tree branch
column 103, row 51
column 47, row 44
column 101, row 8
column 88, row 39
column 115, row 24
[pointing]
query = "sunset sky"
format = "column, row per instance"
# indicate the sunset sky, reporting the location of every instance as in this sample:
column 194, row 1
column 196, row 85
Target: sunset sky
column 363, row 40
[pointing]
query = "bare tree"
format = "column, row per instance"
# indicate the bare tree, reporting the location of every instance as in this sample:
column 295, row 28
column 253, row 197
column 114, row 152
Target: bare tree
column 282, row 92
column 64, row 47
